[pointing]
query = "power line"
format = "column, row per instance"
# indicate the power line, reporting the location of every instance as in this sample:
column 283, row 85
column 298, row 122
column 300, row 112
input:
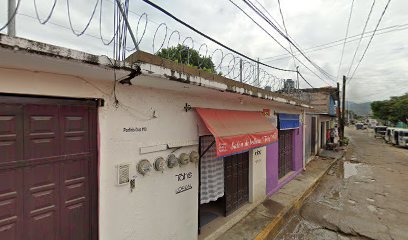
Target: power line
column 275, row 39
column 286, row 31
column 270, row 15
column 361, row 37
column 210, row 38
column 276, row 22
column 344, row 44
column 305, row 80
column 291, row 41
column 321, row 47
column 369, row 42
column 259, row 13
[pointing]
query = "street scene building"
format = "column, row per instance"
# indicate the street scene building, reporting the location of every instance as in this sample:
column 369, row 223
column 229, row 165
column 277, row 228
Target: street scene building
column 163, row 141
column 135, row 120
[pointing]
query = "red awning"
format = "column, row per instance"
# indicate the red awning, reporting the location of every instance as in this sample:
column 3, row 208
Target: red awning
column 237, row 131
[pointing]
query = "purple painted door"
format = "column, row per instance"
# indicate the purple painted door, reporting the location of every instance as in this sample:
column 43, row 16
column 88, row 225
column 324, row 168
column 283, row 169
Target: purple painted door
column 271, row 167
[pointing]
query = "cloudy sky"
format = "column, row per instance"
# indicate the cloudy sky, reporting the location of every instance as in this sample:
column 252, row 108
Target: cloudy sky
column 317, row 26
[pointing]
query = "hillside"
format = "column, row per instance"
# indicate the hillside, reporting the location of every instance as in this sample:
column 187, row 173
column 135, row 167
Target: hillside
column 360, row 108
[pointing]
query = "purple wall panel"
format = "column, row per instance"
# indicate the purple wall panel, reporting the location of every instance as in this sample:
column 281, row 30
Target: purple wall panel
column 298, row 149
column 272, row 157
column 271, row 167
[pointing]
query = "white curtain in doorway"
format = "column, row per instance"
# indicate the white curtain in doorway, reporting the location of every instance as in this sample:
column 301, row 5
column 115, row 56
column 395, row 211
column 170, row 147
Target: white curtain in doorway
column 212, row 172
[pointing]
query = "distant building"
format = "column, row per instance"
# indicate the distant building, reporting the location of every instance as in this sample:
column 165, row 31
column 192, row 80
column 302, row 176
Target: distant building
column 324, row 117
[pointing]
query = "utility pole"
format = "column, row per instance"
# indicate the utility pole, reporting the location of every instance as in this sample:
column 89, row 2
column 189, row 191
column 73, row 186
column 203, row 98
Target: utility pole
column 297, row 77
column 124, row 15
column 11, row 28
column 240, row 69
column 343, row 108
column 258, row 84
column 338, row 110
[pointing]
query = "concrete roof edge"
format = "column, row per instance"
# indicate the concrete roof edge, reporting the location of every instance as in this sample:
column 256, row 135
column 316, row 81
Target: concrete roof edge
column 39, row 48
column 48, row 50
column 232, row 85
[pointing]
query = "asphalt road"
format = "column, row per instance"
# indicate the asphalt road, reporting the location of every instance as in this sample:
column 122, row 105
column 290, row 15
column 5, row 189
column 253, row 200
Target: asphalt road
column 364, row 196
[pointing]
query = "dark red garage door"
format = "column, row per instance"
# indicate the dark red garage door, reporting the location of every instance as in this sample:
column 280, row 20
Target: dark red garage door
column 47, row 169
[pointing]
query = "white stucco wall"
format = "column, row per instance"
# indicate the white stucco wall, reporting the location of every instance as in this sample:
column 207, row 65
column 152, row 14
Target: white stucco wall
column 257, row 174
column 152, row 210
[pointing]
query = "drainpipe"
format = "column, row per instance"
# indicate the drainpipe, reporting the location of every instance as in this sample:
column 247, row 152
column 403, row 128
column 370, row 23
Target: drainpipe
column 11, row 28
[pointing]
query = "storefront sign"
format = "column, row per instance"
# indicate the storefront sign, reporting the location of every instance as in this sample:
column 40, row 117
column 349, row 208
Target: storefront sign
column 135, row 129
column 229, row 145
column 258, row 154
column 266, row 112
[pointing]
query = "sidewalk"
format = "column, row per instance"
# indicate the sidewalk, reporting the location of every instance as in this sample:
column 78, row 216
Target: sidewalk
column 265, row 219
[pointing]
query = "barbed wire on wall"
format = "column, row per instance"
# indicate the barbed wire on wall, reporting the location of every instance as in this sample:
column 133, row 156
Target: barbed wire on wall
column 226, row 63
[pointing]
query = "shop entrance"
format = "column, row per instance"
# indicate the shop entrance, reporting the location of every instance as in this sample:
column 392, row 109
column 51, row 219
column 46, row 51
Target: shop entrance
column 224, row 182
column 236, row 175
column 285, row 163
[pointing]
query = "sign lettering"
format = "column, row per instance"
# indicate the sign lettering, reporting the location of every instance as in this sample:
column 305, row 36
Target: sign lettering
column 135, row 129
column 183, row 176
column 183, row 188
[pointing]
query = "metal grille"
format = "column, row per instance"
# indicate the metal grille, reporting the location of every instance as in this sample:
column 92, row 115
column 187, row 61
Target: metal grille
column 236, row 181
column 123, row 174
column 285, row 163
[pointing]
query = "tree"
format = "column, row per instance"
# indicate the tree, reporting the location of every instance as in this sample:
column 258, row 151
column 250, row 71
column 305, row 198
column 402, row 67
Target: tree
column 186, row 55
column 394, row 110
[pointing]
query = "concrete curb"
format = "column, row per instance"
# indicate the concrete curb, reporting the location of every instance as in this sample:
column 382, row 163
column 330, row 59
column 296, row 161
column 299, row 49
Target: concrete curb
column 282, row 217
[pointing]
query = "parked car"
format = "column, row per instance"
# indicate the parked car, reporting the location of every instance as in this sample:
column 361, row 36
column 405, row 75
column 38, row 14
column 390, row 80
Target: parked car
column 394, row 137
column 379, row 131
column 389, row 134
column 401, row 137
column 359, row 126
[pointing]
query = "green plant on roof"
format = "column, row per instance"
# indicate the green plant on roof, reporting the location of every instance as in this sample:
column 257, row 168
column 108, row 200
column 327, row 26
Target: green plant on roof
column 185, row 55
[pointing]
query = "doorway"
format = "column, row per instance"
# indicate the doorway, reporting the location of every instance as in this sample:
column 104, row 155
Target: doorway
column 285, row 162
column 211, row 200
column 48, row 168
column 236, row 181
column 224, row 182
column 313, row 137
column 322, row 135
